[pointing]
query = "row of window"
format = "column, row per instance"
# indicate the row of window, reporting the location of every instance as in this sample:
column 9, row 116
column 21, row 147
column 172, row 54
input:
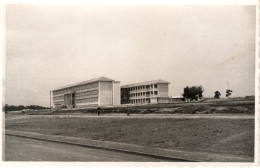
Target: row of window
column 58, row 98
column 93, row 99
column 57, row 105
column 76, row 88
column 143, row 87
column 56, row 101
column 88, row 93
column 140, row 101
column 144, row 94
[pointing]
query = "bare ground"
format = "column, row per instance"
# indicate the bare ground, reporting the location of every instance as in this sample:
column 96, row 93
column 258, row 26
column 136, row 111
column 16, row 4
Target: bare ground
column 219, row 135
column 25, row 149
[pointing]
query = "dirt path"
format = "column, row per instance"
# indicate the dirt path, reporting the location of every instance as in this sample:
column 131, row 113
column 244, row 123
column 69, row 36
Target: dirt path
column 25, row 149
column 181, row 116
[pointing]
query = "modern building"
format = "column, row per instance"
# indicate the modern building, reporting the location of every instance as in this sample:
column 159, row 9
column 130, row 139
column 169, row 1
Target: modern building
column 155, row 91
column 96, row 92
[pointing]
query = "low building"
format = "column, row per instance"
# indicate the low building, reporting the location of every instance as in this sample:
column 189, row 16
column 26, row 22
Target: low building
column 174, row 99
column 96, row 92
column 155, row 91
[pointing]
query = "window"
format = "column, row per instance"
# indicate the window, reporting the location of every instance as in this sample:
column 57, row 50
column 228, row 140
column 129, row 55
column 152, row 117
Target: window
column 155, row 93
column 95, row 92
column 155, row 85
column 58, row 98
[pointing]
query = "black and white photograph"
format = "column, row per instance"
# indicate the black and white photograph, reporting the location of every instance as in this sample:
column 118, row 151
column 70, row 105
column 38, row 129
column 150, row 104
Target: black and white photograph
column 100, row 82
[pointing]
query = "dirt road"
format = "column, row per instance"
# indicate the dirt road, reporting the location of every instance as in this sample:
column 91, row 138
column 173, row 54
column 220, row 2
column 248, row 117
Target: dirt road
column 183, row 116
column 25, row 149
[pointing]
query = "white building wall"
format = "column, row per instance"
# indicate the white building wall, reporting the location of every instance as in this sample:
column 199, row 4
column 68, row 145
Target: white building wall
column 105, row 93
column 116, row 94
column 163, row 90
column 154, row 100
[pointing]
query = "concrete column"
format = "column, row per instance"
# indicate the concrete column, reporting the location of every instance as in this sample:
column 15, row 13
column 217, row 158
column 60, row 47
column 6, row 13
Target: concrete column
column 150, row 89
column 144, row 88
column 98, row 93
column 153, row 90
column 112, row 95
column 71, row 100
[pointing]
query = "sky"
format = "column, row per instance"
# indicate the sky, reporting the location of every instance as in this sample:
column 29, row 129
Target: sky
column 49, row 46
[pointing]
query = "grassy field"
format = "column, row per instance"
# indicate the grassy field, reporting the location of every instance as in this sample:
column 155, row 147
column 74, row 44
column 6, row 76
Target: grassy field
column 227, row 136
column 215, row 107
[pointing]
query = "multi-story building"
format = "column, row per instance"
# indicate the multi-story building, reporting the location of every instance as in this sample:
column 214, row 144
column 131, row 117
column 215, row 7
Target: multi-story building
column 96, row 92
column 155, row 91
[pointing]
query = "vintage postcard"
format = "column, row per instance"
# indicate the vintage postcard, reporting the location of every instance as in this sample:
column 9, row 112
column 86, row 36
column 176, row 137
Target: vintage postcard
column 95, row 83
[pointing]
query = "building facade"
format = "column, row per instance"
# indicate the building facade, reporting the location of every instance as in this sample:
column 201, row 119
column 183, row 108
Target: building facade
column 155, row 91
column 96, row 92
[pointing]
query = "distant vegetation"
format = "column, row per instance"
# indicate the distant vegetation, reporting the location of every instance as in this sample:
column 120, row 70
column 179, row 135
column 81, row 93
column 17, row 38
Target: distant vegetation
column 21, row 107
column 228, row 92
column 193, row 93
column 250, row 97
column 217, row 95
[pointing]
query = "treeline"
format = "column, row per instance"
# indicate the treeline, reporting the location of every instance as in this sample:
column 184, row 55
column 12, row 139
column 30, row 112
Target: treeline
column 21, row 107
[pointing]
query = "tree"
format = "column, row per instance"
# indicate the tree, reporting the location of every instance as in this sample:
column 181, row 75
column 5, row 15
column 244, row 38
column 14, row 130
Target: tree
column 200, row 91
column 217, row 95
column 21, row 107
column 193, row 93
column 228, row 92
column 186, row 92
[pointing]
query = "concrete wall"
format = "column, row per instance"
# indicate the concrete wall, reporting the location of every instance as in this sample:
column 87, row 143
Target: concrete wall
column 154, row 100
column 172, row 100
column 87, row 105
column 105, row 93
column 116, row 94
column 163, row 90
column 163, row 100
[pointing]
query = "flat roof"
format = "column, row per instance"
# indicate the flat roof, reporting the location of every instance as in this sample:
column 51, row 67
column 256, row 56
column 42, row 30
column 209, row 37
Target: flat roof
column 146, row 83
column 176, row 97
column 100, row 79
